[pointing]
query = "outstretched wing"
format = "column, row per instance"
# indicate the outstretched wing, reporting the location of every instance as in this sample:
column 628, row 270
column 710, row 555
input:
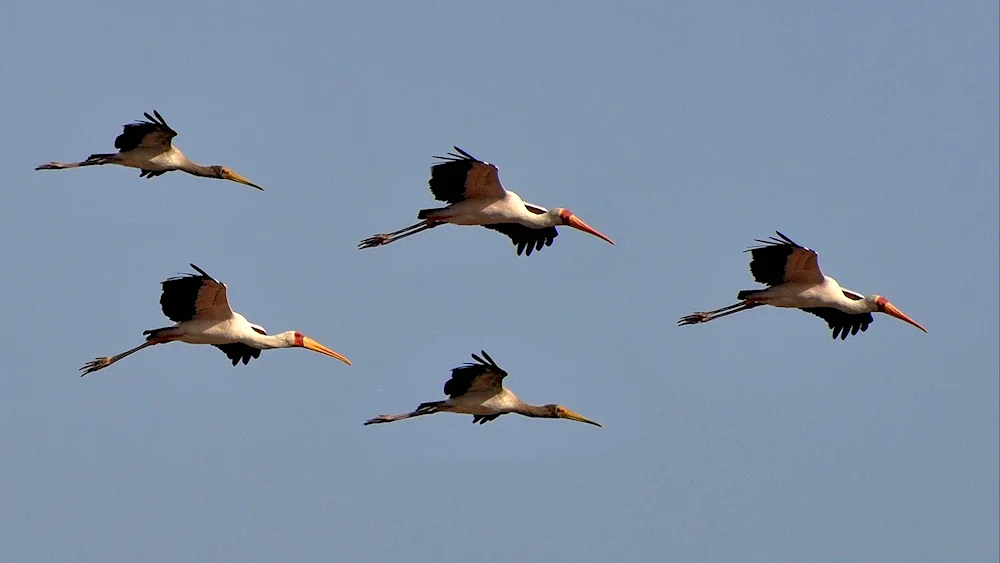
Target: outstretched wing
column 526, row 238
column 842, row 323
column 191, row 297
column 462, row 176
column 239, row 352
column 484, row 418
column 154, row 133
column 780, row 260
column 483, row 375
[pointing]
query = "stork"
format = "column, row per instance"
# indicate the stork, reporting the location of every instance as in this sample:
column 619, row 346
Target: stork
column 146, row 145
column 793, row 279
column 477, row 389
column 475, row 196
column 200, row 307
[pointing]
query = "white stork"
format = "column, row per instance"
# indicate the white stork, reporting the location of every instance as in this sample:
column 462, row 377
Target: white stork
column 477, row 389
column 199, row 306
column 476, row 197
column 794, row 280
column 146, row 145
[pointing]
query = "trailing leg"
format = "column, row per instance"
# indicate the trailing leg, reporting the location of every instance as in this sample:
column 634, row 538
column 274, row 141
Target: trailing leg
column 92, row 160
column 424, row 408
column 704, row 317
column 155, row 336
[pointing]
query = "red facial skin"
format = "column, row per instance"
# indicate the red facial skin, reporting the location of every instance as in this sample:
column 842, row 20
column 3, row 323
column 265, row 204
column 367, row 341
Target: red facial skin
column 565, row 214
column 299, row 339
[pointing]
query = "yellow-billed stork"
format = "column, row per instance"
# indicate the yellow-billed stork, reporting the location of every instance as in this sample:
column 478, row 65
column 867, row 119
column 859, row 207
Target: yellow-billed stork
column 477, row 389
column 476, row 197
column 794, row 280
column 146, row 145
column 200, row 307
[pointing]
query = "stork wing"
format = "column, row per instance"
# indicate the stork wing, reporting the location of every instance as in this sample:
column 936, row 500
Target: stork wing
column 842, row 323
column 781, row 260
column 191, row 297
column 154, row 133
column 462, row 176
column 526, row 238
column 239, row 352
column 482, row 376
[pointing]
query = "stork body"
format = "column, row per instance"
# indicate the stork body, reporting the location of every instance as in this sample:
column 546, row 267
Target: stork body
column 200, row 306
column 146, row 145
column 475, row 196
column 795, row 281
column 477, row 389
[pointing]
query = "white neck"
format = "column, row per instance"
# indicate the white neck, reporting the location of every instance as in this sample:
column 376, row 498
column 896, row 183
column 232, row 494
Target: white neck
column 859, row 306
column 542, row 221
column 268, row 342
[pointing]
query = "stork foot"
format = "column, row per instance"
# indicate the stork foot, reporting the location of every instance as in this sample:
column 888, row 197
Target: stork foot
column 373, row 241
column 380, row 418
column 693, row 318
column 98, row 363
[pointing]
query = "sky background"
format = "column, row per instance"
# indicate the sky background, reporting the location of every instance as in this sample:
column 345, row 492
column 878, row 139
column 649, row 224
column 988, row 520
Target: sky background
column 868, row 132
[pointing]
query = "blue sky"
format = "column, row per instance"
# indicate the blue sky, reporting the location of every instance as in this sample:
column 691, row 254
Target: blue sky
column 683, row 131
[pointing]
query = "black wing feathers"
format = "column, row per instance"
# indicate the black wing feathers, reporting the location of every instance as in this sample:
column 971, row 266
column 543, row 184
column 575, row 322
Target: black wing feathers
column 239, row 352
column 180, row 294
column 842, row 323
column 447, row 181
column 526, row 238
column 463, row 376
column 768, row 263
column 134, row 133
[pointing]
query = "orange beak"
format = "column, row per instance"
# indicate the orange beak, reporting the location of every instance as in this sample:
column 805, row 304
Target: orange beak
column 891, row 309
column 578, row 223
column 311, row 344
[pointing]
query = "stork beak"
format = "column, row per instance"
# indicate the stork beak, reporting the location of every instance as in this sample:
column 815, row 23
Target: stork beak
column 570, row 415
column 311, row 344
column 578, row 223
column 233, row 176
column 891, row 309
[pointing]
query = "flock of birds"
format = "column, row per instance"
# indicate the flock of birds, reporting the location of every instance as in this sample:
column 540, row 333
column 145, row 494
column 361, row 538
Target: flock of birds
column 199, row 306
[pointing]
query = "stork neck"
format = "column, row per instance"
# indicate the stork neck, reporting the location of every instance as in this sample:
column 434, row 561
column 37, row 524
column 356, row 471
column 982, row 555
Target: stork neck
column 534, row 411
column 540, row 221
column 198, row 170
column 269, row 341
column 858, row 306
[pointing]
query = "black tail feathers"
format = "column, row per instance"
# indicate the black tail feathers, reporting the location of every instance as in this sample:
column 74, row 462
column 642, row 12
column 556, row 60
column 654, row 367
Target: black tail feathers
column 154, row 332
column 748, row 293
column 425, row 213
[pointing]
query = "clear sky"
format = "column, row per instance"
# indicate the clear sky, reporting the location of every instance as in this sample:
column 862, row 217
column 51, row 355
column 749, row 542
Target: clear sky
column 868, row 131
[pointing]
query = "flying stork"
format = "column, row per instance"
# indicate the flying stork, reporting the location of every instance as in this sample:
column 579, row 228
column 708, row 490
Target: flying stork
column 793, row 279
column 476, row 197
column 146, row 145
column 477, row 389
column 200, row 307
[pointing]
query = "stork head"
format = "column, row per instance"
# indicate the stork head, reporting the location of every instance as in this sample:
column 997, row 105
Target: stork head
column 299, row 340
column 225, row 173
column 559, row 411
column 881, row 304
column 566, row 217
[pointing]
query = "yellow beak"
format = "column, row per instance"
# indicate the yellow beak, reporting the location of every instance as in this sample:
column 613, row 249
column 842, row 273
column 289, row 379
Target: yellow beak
column 578, row 223
column 570, row 415
column 891, row 309
column 311, row 344
column 237, row 178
